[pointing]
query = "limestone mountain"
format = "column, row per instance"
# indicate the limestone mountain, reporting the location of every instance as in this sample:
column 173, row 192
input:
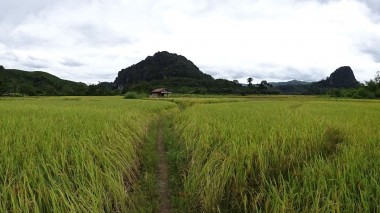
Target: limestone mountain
column 161, row 66
column 343, row 77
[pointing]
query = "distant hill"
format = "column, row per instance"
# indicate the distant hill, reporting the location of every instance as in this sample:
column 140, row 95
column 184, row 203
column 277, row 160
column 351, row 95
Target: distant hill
column 165, row 70
column 292, row 82
column 162, row 66
column 180, row 75
column 14, row 81
column 342, row 77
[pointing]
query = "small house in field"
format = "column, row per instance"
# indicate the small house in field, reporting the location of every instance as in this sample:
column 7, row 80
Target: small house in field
column 160, row 92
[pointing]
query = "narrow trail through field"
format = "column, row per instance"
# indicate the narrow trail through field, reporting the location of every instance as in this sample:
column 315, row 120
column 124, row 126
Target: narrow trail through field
column 163, row 174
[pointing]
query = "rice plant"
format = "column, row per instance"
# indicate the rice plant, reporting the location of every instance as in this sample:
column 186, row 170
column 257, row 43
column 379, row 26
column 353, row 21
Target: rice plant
column 289, row 155
column 72, row 154
column 255, row 154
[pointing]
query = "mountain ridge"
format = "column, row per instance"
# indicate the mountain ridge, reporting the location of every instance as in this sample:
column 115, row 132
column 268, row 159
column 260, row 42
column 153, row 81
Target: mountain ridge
column 291, row 82
column 169, row 70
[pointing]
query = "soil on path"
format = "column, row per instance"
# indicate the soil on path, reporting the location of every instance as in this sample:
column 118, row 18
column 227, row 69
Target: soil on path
column 162, row 174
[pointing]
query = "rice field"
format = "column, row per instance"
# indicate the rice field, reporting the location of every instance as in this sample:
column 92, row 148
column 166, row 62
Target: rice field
column 226, row 154
column 290, row 155
column 72, row 154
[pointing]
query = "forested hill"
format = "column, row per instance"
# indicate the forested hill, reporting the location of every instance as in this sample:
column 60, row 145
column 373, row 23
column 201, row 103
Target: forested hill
column 161, row 66
column 14, row 81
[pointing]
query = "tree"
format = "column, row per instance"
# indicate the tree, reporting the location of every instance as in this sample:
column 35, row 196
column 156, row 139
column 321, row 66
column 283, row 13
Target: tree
column 1, row 67
column 377, row 77
column 264, row 85
column 27, row 89
column 249, row 80
column 371, row 85
column 142, row 87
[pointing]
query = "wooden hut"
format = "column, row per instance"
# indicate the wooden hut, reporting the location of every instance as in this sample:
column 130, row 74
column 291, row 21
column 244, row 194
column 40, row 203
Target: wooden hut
column 160, row 92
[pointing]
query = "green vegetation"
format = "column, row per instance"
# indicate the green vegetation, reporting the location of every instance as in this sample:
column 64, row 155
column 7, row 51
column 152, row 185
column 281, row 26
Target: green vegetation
column 37, row 83
column 226, row 154
column 280, row 156
column 23, row 83
column 73, row 154
column 369, row 90
column 179, row 75
column 134, row 95
column 161, row 67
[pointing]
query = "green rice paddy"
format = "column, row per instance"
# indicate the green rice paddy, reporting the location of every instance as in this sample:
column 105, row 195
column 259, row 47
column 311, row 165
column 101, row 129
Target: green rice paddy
column 226, row 154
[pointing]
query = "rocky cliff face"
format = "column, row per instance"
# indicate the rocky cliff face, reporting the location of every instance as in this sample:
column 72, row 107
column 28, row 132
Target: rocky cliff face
column 162, row 65
column 343, row 77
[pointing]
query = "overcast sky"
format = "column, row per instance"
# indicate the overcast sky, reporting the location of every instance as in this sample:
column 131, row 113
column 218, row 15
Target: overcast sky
column 275, row 40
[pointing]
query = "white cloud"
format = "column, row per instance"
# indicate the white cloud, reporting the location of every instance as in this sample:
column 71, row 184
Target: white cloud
column 91, row 40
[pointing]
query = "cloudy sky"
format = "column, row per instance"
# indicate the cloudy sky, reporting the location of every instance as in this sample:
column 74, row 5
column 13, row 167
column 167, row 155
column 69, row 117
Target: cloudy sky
column 275, row 40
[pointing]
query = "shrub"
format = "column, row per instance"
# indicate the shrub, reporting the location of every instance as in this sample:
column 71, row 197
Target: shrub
column 133, row 95
column 363, row 93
